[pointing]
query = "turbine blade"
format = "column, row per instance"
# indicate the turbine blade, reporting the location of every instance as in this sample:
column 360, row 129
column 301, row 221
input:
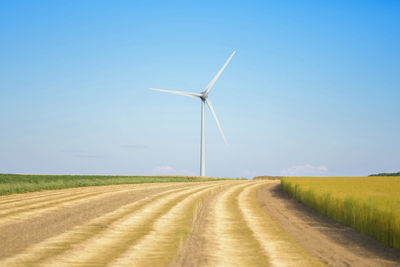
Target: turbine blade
column 211, row 84
column 194, row 95
column 216, row 120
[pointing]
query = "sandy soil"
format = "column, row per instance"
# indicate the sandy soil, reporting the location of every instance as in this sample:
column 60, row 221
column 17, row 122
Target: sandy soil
column 176, row 224
column 332, row 242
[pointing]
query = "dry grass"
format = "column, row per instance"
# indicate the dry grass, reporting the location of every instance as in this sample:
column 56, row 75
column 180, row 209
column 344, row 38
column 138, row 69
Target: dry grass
column 169, row 232
column 21, row 207
column 100, row 239
column 152, row 231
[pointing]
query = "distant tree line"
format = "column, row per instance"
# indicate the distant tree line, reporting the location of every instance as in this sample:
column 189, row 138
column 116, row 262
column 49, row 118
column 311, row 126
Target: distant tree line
column 387, row 174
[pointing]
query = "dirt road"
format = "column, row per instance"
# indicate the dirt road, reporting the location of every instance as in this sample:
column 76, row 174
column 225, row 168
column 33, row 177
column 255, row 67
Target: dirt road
column 333, row 243
column 235, row 223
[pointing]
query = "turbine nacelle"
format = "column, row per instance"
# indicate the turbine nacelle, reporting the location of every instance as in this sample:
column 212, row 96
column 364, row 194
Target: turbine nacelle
column 204, row 96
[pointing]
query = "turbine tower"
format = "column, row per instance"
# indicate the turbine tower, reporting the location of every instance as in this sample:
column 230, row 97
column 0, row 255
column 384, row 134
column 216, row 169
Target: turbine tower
column 203, row 96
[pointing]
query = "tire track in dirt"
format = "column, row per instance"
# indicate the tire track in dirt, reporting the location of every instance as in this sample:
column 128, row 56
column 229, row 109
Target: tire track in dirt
column 169, row 232
column 18, row 236
column 14, row 199
column 118, row 237
column 36, row 200
column 232, row 230
column 111, row 229
column 24, row 198
column 281, row 249
column 333, row 243
column 25, row 210
column 193, row 250
column 43, row 205
column 234, row 243
column 189, row 224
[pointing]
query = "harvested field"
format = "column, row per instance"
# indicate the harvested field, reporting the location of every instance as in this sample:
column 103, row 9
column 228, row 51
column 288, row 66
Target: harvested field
column 22, row 183
column 216, row 223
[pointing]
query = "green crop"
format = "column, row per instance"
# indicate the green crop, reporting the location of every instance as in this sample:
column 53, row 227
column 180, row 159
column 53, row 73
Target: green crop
column 21, row 183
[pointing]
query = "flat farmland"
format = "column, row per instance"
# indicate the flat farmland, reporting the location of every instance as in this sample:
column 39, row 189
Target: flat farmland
column 21, row 183
column 370, row 205
column 210, row 223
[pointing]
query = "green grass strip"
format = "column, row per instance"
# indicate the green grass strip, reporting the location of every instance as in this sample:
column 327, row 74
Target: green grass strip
column 21, row 183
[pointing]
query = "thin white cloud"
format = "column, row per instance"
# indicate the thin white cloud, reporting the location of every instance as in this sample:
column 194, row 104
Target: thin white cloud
column 169, row 170
column 163, row 169
column 248, row 174
column 305, row 170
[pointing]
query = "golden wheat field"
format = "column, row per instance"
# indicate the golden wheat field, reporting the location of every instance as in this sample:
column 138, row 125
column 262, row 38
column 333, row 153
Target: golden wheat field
column 371, row 205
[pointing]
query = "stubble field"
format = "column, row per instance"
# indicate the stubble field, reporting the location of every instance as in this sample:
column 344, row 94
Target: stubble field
column 179, row 224
column 210, row 223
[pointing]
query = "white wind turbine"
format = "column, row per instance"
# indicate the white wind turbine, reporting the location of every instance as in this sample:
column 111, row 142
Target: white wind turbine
column 203, row 96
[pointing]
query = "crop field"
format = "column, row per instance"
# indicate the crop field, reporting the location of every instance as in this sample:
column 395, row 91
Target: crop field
column 214, row 223
column 20, row 183
column 222, row 222
column 371, row 205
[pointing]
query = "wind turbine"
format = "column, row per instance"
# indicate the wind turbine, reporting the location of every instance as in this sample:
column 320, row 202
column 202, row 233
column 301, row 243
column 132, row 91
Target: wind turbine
column 203, row 96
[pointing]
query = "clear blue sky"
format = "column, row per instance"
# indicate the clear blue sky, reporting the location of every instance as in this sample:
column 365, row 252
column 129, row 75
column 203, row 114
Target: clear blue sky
column 312, row 90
